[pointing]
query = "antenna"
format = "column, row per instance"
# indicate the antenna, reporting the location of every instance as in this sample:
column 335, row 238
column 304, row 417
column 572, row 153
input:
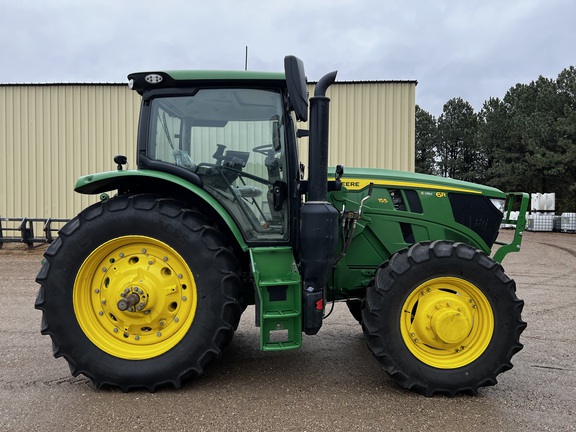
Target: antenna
column 246, row 59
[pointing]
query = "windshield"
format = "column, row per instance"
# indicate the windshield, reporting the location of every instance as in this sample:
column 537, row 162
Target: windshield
column 233, row 138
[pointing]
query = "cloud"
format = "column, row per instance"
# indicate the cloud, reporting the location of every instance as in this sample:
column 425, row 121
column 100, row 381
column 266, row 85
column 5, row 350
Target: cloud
column 453, row 48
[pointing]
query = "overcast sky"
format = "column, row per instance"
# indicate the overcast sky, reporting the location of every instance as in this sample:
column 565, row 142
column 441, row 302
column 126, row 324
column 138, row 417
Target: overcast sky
column 453, row 48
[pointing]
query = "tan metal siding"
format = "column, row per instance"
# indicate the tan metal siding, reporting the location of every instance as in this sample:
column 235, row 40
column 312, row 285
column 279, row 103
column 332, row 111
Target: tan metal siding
column 372, row 125
column 50, row 135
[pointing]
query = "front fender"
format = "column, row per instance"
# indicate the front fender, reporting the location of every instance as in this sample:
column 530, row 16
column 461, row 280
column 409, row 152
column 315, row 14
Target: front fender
column 112, row 180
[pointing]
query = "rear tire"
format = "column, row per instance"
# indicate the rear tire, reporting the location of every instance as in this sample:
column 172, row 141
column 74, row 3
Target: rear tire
column 178, row 267
column 442, row 317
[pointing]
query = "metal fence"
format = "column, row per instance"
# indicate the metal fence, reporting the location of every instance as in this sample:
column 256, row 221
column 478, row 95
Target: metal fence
column 25, row 230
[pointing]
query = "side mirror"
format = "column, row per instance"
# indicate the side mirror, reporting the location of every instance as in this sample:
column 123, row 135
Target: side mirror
column 296, row 82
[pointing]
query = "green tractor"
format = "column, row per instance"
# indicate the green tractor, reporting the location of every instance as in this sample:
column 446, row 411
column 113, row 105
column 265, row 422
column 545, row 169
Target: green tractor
column 143, row 289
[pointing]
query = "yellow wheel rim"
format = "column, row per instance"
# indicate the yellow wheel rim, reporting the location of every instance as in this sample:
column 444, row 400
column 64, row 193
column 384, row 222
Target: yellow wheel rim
column 447, row 322
column 135, row 297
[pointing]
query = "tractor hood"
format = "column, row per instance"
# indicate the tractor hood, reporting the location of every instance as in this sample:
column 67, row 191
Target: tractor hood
column 355, row 179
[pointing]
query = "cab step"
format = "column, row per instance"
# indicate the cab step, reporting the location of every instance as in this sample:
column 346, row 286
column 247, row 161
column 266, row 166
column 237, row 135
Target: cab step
column 279, row 288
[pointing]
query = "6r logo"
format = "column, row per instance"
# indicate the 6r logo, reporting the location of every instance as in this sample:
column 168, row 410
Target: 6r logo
column 440, row 194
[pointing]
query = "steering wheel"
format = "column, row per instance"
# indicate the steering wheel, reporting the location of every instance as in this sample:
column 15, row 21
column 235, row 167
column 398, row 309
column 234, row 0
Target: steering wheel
column 266, row 150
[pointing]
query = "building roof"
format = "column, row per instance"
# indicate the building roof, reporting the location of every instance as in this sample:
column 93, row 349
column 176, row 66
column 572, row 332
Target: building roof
column 415, row 82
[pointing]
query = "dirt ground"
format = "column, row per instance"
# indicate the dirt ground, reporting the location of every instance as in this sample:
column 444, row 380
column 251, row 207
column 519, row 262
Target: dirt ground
column 332, row 383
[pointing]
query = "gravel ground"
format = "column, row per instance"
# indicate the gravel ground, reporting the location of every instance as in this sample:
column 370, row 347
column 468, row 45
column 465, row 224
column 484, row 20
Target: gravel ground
column 332, row 383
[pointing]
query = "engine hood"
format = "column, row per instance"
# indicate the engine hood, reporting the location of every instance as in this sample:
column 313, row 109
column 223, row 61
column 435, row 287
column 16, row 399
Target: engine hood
column 358, row 178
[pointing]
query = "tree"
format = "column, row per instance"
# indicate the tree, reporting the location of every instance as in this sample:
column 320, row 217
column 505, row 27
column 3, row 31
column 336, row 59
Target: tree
column 456, row 150
column 539, row 153
column 523, row 142
column 425, row 137
column 566, row 83
column 501, row 146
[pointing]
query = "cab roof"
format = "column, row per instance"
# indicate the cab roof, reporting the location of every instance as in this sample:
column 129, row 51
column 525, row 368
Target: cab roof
column 143, row 81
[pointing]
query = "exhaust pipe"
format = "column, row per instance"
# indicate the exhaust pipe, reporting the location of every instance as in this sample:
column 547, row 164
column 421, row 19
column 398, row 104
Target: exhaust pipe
column 318, row 140
column 318, row 218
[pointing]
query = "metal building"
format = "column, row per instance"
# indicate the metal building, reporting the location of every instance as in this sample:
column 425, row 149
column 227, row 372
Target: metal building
column 50, row 134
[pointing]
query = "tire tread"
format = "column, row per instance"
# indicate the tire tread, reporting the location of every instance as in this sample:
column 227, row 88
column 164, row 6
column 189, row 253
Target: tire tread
column 230, row 287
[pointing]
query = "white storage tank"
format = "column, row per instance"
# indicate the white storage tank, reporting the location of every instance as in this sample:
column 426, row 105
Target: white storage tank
column 513, row 217
column 529, row 222
column 543, row 202
column 540, row 222
column 568, row 222
column 557, row 223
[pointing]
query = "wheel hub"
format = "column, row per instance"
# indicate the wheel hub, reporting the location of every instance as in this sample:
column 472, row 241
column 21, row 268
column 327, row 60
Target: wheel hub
column 131, row 301
column 447, row 322
column 450, row 326
column 442, row 319
column 142, row 297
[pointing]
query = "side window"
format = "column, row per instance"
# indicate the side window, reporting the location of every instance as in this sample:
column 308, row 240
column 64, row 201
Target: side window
column 166, row 139
column 233, row 139
column 242, row 164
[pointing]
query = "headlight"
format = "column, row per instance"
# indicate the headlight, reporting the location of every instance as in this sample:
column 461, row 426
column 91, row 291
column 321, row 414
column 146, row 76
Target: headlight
column 153, row 78
column 499, row 203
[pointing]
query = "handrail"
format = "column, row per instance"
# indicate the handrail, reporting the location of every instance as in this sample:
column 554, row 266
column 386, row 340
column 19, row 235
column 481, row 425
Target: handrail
column 520, row 224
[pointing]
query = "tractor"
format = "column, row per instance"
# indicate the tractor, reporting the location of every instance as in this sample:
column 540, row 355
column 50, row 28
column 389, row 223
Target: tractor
column 144, row 288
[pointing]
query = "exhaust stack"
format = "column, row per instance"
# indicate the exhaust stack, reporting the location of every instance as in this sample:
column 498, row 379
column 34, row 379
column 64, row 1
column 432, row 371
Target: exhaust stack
column 318, row 141
column 318, row 218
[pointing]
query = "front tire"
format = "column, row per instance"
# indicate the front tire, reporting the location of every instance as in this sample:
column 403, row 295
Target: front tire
column 138, row 292
column 442, row 317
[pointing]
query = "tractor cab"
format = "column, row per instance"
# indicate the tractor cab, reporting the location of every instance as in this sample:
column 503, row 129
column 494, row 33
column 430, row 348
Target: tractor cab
column 229, row 138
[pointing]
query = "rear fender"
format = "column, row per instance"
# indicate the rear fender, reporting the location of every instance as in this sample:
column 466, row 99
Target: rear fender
column 126, row 181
